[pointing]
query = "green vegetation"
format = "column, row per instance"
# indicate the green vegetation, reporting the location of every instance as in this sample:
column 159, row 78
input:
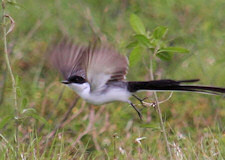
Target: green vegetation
column 51, row 122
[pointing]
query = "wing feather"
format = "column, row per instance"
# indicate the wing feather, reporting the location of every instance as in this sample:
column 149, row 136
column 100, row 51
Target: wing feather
column 98, row 65
column 67, row 58
column 104, row 64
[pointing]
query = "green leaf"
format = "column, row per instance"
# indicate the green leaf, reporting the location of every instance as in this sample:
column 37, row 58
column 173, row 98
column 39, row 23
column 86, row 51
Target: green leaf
column 28, row 111
column 11, row 1
column 39, row 118
column 18, row 80
column 136, row 24
column 18, row 89
column 132, row 44
column 160, row 32
column 24, row 102
column 166, row 56
column 14, row 3
column 31, row 112
column 143, row 40
column 173, row 50
column 135, row 55
column 5, row 121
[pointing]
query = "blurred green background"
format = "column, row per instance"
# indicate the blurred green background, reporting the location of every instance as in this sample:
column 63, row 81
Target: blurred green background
column 195, row 123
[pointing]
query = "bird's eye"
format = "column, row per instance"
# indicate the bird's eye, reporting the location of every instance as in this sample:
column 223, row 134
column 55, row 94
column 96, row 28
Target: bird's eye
column 76, row 79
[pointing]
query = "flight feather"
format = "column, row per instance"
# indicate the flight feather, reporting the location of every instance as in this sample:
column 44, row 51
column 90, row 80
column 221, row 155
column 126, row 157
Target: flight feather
column 104, row 64
column 67, row 58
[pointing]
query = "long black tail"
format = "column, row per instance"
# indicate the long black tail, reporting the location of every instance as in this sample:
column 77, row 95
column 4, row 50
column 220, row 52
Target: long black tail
column 171, row 85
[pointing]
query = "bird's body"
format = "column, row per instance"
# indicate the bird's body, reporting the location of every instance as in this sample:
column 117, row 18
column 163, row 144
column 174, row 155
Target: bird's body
column 112, row 92
column 97, row 74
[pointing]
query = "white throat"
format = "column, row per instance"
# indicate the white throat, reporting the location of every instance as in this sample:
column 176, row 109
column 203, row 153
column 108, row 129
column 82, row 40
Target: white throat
column 80, row 89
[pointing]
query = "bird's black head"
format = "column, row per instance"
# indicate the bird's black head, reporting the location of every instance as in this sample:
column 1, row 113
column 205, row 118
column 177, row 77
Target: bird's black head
column 74, row 79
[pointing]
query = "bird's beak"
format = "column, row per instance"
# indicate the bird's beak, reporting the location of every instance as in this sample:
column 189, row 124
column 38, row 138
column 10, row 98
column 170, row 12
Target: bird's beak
column 65, row 82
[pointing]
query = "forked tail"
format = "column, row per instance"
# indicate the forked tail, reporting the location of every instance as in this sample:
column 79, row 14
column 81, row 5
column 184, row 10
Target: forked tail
column 172, row 85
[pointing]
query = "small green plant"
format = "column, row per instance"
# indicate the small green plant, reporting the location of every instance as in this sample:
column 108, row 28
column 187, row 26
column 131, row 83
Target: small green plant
column 21, row 112
column 14, row 87
column 157, row 47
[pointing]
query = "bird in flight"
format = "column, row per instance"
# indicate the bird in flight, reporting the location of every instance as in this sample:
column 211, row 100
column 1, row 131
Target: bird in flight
column 98, row 73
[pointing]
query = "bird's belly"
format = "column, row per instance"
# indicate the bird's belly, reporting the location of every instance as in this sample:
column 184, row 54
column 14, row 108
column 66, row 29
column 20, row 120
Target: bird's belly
column 108, row 96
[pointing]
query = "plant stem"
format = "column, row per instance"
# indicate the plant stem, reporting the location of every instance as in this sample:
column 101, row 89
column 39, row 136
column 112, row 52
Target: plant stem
column 10, row 72
column 162, row 126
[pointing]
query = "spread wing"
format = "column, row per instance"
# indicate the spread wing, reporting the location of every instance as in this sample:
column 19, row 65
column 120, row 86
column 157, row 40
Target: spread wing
column 98, row 65
column 104, row 64
column 67, row 58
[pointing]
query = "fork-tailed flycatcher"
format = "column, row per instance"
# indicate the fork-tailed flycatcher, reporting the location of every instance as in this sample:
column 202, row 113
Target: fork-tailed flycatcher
column 97, row 74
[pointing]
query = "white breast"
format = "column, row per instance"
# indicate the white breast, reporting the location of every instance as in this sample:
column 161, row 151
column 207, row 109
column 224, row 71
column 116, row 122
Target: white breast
column 116, row 94
column 100, row 97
